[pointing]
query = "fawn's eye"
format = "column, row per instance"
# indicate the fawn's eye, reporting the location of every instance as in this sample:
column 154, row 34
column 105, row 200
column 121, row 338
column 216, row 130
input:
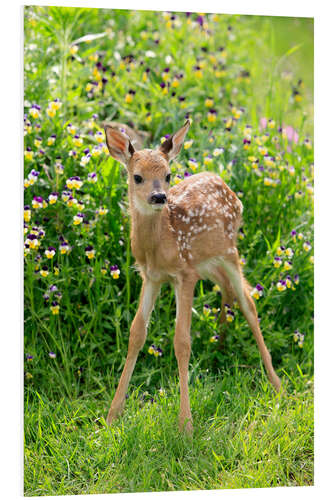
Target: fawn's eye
column 138, row 179
column 167, row 179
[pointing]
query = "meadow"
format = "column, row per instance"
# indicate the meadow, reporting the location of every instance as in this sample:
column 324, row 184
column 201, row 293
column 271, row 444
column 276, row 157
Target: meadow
column 246, row 84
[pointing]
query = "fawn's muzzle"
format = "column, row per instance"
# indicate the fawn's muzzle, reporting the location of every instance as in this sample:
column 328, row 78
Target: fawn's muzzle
column 158, row 199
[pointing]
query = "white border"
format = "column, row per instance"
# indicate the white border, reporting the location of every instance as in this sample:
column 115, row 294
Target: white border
column 11, row 248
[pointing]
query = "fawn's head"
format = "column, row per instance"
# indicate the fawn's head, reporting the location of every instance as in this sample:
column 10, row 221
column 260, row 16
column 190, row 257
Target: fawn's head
column 148, row 170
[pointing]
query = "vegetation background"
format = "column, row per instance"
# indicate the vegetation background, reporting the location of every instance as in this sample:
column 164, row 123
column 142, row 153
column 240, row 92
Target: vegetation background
column 247, row 84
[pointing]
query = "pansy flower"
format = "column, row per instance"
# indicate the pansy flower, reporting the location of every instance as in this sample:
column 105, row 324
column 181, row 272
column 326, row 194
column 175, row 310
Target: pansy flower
column 299, row 338
column 241, row 234
column 214, row 338
column 78, row 219
column 44, row 271
column 64, row 247
column 34, row 111
column 230, row 315
column 216, row 288
column 206, row 310
column 77, row 140
column 28, row 154
column 208, row 160
column 74, row 182
column 56, row 270
column 293, row 234
column 50, row 252
column 96, row 151
column 218, row 151
column 280, row 250
column 90, row 252
column 38, row 142
column 27, row 213
column 281, row 285
column 188, row 144
column 55, row 308
column 102, row 211
column 65, row 195
column 71, row 129
column 212, row 113
column 289, row 252
column 51, row 140
column 114, row 270
column 193, row 163
column 37, row 202
column 85, row 160
column 52, row 355
column 257, row 291
column 306, row 245
column 53, row 197
column 277, row 261
column 287, row 265
column 130, row 96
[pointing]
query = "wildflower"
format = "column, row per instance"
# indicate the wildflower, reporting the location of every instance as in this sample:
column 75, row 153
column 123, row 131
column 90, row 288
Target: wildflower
column 208, row 160
column 281, row 285
column 85, row 159
column 212, row 115
column 27, row 213
column 293, row 234
column 277, row 261
column 311, row 259
column 29, row 357
column 77, row 140
column 104, row 270
column 298, row 194
column 152, row 349
column 51, row 140
column 44, row 271
column 65, row 195
column 216, row 288
column 158, row 352
column 53, row 197
column 102, row 211
column 188, row 144
column 28, row 154
column 300, row 236
column 34, row 111
column 73, row 49
column 178, row 178
column 55, row 104
column 241, row 234
column 287, row 265
column 78, row 218
column 130, row 96
column 37, row 202
column 55, row 309
column 236, row 112
column 209, row 102
column 306, row 245
column 242, row 261
column 289, row 252
column 246, row 143
column 50, row 252
column 307, row 143
column 206, row 310
column 114, row 270
column 52, row 355
column 28, row 375
column 90, row 252
column 296, row 279
column 218, row 151
column 299, row 337
column 192, row 163
column 288, row 281
column 71, row 129
column 271, row 124
column 80, row 205
column 230, row 315
column 64, row 247
column 280, row 250
column 214, row 338
column 257, row 291
column 161, row 392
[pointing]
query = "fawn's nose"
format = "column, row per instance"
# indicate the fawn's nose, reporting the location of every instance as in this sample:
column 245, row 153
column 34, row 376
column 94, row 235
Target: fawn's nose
column 158, row 198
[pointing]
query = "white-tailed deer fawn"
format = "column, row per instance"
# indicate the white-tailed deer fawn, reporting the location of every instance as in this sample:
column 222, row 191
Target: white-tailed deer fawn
column 180, row 235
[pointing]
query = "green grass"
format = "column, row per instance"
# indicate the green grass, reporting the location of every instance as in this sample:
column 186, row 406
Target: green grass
column 244, row 435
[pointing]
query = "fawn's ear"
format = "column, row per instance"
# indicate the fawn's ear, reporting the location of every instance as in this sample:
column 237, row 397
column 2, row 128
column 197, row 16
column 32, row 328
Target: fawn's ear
column 119, row 145
column 172, row 146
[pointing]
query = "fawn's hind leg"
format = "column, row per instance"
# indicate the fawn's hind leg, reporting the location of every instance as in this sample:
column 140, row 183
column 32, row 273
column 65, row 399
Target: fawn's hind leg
column 227, row 301
column 240, row 288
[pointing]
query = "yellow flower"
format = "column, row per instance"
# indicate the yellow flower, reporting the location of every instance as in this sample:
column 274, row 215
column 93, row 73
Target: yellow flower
column 73, row 50
column 209, row 102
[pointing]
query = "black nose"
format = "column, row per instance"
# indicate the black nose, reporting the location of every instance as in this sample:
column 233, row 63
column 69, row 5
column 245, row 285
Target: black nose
column 158, row 198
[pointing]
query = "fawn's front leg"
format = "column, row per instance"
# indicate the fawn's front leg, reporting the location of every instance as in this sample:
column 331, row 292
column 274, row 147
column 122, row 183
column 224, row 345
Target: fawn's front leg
column 182, row 344
column 138, row 333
